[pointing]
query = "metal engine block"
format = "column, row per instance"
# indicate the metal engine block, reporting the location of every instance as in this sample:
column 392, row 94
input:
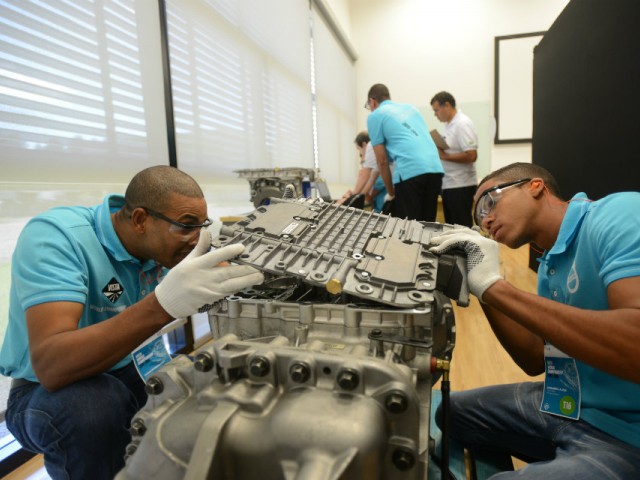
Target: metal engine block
column 323, row 372
column 265, row 183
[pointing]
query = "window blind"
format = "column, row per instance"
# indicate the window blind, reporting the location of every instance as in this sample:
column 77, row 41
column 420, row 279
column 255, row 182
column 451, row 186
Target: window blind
column 240, row 76
column 335, row 104
column 75, row 82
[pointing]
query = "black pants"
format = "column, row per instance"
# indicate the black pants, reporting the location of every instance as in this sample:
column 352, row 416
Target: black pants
column 457, row 204
column 417, row 197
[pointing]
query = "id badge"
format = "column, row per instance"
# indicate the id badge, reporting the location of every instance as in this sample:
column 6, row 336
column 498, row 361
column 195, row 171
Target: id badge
column 150, row 356
column 561, row 384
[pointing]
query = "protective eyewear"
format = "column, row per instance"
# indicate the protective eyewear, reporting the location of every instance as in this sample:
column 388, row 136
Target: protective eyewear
column 488, row 200
column 184, row 230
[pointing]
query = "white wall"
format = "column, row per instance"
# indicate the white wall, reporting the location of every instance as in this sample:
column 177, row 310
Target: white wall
column 419, row 47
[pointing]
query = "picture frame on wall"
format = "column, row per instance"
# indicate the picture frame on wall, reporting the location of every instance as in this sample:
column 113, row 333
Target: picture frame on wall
column 513, row 84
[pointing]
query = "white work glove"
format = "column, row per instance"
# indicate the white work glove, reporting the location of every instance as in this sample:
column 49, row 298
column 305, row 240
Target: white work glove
column 388, row 198
column 483, row 268
column 197, row 282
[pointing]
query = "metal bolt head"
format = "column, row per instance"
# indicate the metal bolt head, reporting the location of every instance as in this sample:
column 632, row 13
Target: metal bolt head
column 403, row 460
column 131, row 449
column 138, row 427
column 203, row 362
column 348, row 380
column 154, row 386
column 396, row 402
column 259, row 367
column 299, row 372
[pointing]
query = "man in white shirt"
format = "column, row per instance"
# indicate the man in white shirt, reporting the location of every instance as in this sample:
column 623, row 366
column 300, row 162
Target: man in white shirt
column 459, row 160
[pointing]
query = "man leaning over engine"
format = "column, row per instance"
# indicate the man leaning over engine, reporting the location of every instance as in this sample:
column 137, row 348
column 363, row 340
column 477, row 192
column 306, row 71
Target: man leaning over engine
column 87, row 288
column 583, row 327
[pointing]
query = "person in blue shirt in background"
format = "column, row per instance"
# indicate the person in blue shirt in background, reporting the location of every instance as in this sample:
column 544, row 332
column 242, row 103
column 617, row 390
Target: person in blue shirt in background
column 368, row 182
column 399, row 135
column 582, row 329
column 89, row 285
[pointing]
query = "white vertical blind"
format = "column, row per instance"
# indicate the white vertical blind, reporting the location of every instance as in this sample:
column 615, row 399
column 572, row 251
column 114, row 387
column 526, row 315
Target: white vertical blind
column 241, row 85
column 81, row 109
column 72, row 91
column 82, row 101
column 336, row 104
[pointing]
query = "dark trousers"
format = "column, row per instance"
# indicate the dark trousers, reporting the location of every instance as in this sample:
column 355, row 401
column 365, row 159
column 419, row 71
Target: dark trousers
column 457, row 204
column 506, row 420
column 83, row 428
column 417, row 197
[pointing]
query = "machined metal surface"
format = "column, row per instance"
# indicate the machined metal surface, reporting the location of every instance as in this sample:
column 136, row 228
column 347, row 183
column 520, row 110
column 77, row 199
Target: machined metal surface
column 323, row 372
column 296, row 391
column 362, row 253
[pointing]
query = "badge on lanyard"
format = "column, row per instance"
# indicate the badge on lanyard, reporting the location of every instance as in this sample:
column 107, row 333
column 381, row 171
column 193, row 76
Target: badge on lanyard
column 561, row 384
column 150, row 356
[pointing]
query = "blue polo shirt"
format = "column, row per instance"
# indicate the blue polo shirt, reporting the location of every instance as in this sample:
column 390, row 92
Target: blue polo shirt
column 598, row 243
column 72, row 254
column 403, row 131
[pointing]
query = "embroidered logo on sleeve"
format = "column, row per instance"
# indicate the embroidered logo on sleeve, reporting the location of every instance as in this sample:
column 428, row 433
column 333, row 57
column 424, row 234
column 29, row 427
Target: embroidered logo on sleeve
column 113, row 290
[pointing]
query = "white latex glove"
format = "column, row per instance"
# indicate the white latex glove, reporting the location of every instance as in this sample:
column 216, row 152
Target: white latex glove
column 196, row 281
column 483, row 268
column 388, row 198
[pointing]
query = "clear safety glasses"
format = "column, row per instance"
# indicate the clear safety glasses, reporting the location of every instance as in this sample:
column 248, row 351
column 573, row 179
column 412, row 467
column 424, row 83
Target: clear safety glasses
column 487, row 201
column 183, row 230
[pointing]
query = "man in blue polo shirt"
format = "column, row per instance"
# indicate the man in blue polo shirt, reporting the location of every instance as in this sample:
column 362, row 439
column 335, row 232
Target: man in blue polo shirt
column 582, row 329
column 87, row 288
column 399, row 135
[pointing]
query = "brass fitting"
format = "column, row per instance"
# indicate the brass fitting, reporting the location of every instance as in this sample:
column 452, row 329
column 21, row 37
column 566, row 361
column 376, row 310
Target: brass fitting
column 441, row 365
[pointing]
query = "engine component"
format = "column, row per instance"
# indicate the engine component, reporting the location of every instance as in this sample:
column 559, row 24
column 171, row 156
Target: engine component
column 363, row 253
column 266, row 183
column 296, row 391
column 323, row 372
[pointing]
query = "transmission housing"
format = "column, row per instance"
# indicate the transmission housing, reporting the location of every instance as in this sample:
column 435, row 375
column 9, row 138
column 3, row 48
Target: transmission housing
column 322, row 372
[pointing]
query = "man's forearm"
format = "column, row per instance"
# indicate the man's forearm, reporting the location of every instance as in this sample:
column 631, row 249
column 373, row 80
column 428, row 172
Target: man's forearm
column 73, row 354
column 524, row 347
column 607, row 340
column 469, row 156
column 383, row 167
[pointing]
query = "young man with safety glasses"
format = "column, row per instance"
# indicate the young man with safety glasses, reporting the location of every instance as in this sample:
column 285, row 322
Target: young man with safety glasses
column 88, row 286
column 582, row 329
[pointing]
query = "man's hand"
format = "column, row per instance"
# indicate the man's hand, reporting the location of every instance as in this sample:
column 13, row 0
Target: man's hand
column 197, row 280
column 482, row 256
column 388, row 198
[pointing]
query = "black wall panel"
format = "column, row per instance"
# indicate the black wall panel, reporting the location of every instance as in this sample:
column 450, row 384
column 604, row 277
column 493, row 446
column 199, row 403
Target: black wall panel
column 586, row 98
